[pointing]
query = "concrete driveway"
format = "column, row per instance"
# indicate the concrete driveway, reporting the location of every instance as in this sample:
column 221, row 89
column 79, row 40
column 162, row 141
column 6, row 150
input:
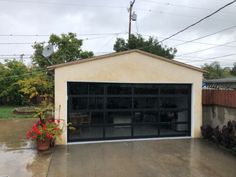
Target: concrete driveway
column 154, row 158
column 18, row 156
column 159, row 158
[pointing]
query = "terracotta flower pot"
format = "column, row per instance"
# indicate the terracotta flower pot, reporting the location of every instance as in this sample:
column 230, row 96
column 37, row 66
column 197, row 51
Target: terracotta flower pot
column 43, row 145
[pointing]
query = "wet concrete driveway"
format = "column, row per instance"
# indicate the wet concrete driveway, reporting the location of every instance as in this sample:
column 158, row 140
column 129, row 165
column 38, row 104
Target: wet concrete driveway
column 159, row 158
column 162, row 158
column 18, row 157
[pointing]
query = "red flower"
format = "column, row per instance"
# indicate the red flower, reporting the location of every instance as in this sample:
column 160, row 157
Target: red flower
column 39, row 122
column 49, row 136
column 28, row 135
column 44, row 126
column 46, row 130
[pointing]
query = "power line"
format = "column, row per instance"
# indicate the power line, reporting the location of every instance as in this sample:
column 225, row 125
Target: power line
column 208, row 35
column 65, row 4
column 26, row 74
column 30, row 43
column 16, row 43
column 204, row 18
column 15, row 54
column 175, row 14
column 101, row 6
column 195, row 42
column 39, row 35
column 179, row 5
column 206, row 59
column 24, row 35
column 14, row 58
column 223, row 56
column 221, row 45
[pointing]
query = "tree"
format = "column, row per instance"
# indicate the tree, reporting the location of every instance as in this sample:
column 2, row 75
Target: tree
column 233, row 71
column 215, row 71
column 38, row 83
column 11, row 72
column 138, row 42
column 68, row 48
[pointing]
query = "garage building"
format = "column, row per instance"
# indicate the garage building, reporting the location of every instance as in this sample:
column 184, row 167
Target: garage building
column 128, row 95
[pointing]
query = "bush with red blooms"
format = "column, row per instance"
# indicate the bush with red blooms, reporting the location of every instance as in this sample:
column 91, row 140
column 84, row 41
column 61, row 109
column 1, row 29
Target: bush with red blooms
column 46, row 130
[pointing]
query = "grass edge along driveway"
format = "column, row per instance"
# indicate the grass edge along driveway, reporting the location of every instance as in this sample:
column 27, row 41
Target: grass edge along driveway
column 6, row 112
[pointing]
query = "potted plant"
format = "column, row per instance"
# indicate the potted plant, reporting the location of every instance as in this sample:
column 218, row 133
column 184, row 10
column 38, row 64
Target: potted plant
column 44, row 133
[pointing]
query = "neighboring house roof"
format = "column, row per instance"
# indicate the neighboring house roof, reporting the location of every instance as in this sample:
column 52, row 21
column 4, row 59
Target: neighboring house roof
column 229, row 82
column 222, row 80
column 123, row 53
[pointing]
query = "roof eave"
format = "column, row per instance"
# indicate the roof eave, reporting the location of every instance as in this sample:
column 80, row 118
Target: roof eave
column 122, row 53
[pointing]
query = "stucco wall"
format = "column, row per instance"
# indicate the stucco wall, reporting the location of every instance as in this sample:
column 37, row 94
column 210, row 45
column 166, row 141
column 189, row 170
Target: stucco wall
column 218, row 115
column 129, row 68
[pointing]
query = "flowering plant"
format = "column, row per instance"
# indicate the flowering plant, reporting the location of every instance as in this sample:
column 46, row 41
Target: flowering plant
column 46, row 130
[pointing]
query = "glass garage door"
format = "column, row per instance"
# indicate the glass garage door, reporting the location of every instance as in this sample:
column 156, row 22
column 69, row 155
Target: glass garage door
column 106, row 111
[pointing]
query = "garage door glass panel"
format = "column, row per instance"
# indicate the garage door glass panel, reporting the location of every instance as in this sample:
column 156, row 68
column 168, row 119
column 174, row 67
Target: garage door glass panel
column 145, row 130
column 145, row 89
column 118, row 131
column 174, row 102
column 96, row 103
column 79, row 118
column 78, row 103
column 141, row 117
column 96, row 89
column 97, row 118
column 118, row 118
column 82, row 89
column 146, row 102
column 174, row 116
column 119, row 89
column 90, row 133
column 174, row 129
column 74, row 134
column 175, row 89
column 119, row 103
column 73, row 89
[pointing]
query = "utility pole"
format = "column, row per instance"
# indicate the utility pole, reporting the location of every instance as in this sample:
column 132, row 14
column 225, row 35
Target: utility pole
column 132, row 16
column 22, row 57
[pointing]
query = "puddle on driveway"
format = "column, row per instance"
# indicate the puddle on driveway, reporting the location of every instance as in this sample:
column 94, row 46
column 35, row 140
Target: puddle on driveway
column 24, row 163
column 18, row 157
column 12, row 133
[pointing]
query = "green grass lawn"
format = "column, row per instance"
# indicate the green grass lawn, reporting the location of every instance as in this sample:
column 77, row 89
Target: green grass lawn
column 6, row 112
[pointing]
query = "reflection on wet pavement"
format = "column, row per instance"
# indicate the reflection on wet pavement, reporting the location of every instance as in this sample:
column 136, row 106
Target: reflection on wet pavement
column 23, row 163
column 157, row 158
column 18, row 157
column 12, row 133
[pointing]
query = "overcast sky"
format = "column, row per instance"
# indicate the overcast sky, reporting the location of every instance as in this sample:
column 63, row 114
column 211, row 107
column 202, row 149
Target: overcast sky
column 159, row 18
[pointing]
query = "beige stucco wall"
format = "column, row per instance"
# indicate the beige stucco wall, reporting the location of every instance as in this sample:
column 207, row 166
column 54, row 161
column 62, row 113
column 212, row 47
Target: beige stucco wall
column 214, row 115
column 129, row 68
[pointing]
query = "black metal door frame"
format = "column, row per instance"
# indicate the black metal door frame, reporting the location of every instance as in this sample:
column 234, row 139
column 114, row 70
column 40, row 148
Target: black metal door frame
column 105, row 110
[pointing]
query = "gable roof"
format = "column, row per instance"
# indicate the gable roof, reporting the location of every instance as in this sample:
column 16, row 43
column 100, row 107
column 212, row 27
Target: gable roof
column 123, row 53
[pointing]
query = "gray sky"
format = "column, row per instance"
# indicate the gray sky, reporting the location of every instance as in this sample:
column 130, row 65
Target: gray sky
column 159, row 18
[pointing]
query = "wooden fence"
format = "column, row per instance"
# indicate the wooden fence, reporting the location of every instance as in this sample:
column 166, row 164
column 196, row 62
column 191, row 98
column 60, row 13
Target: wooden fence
column 225, row 98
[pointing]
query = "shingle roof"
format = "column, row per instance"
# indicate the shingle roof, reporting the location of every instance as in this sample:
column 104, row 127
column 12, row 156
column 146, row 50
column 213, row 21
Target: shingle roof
column 123, row 53
column 222, row 80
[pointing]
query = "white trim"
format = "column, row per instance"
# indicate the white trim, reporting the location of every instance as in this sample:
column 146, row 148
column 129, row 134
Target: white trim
column 129, row 82
column 66, row 113
column 192, row 109
column 129, row 140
